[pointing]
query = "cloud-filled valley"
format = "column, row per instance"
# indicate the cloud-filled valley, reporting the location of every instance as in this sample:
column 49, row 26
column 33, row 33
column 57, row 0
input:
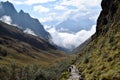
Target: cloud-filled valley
column 71, row 21
column 70, row 40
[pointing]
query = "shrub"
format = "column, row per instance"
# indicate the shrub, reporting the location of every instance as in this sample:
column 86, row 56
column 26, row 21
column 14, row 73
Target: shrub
column 15, row 72
column 4, row 74
column 85, row 59
column 3, row 52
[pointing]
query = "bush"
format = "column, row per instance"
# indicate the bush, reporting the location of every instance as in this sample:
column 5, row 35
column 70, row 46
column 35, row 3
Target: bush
column 4, row 73
column 15, row 72
column 34, row 72
column 3, row 52
column 85, row 59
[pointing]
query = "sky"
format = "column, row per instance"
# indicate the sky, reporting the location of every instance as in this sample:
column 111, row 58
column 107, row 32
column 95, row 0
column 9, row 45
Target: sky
column 52, row 12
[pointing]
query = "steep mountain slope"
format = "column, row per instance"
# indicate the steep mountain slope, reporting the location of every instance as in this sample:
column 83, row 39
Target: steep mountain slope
column 79, row 48
column 23, row 20
column 100, row 59
column 24, row 48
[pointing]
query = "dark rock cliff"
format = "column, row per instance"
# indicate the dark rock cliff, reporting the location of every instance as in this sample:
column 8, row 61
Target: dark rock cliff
column 109, row 14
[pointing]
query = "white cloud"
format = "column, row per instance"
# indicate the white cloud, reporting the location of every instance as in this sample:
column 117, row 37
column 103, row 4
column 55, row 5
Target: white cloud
column 40, row 9
column 81, row 3
column 74, row 9
column 57, row 7
column 56, row 17
column 72, row 3
column 83, row 7
column 15, row 1
column 6, row 19
column 45, row 19
column 69, row 40
column 47, row 27
column 64, row 16
column 29, row 31
column 30, row 2
column 94, row 17
column 63, row 30
column 91, row 3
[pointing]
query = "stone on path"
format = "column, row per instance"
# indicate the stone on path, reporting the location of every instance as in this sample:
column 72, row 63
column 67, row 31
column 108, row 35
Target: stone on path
column 74, row 73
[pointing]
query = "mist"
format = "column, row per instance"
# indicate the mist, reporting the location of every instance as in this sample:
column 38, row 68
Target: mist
column 70, row 40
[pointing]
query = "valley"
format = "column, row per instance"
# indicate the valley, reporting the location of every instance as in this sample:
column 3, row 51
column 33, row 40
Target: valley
column 35, row 57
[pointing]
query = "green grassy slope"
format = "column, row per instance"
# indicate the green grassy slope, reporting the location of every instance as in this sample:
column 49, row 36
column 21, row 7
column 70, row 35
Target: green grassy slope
column 100, row 59
column 24, row 48
column 27, row 57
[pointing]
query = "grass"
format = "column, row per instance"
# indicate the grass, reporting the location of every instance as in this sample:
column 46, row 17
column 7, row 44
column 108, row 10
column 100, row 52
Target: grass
column 100, row 59
column 104, row 62
column 15, row 69
column 22, row 66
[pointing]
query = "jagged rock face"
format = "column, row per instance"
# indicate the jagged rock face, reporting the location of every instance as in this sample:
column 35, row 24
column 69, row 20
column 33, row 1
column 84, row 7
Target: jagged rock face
column 109, row 14
column 23, row 20
column 7, row 9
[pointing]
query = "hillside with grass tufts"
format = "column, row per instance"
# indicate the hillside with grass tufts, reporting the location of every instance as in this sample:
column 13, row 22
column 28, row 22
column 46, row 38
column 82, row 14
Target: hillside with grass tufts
column 99, row 57
column 27, row 57
column 25, row 48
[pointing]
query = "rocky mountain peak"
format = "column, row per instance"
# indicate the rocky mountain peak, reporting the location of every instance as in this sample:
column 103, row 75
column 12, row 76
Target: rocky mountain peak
column 8, row 8
column 23, row 20
column 21, row 12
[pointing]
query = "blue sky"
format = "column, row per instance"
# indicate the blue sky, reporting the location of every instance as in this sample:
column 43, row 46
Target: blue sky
column 53, row 12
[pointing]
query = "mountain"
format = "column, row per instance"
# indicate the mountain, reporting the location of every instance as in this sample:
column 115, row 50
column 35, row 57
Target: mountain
column 23, row 48
column 79, row 48
column 100, row 58
column 71, row 25
column 23, row 20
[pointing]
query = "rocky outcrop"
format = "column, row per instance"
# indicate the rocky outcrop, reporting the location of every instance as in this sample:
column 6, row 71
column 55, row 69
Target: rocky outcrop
column 109, row 14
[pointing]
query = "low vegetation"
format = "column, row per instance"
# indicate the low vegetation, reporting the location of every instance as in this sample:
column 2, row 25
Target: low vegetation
column 100, row 58
column 53, row 71
column 103, row 52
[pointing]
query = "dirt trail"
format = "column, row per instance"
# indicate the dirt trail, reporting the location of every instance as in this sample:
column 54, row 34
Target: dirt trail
column 74, row 73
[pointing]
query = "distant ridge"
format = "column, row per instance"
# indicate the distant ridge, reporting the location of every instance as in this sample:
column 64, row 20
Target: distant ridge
column 18, row 45
column 23, row 20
